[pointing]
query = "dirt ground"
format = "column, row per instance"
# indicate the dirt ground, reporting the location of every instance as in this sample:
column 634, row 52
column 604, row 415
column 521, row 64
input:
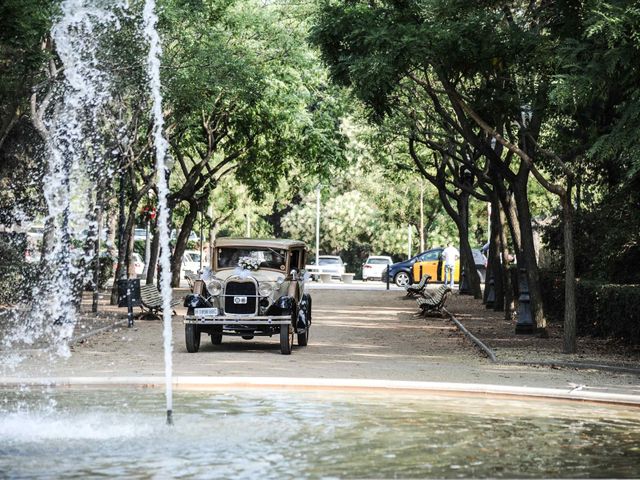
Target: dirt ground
column 356, row 334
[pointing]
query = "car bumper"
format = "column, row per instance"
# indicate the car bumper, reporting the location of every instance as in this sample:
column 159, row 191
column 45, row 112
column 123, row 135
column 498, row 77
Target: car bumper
column 238, row 320
column 373, row 276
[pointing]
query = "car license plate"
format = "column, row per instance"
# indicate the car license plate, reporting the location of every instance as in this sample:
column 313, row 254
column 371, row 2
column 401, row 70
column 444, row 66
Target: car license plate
column 240, row 300
column 206, row 312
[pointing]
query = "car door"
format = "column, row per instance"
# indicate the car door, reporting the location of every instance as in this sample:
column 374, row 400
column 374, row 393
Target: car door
column 429, row 264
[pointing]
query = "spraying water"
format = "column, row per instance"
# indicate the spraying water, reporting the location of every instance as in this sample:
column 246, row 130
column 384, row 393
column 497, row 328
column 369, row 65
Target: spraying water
column 161, row 146
column 72, row 110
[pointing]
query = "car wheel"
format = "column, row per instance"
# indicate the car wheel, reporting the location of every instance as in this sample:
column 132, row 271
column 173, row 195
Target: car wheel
column 192, row 338
column 303, row 337
column 402, row 279
column 286, row 339
column 247, row 337
column 216, row 336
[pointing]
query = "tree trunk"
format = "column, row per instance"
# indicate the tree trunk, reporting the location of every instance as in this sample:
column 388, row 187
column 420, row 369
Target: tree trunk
column 122, row 269
column 181, row 243
column 153, row 257
column 569, row 275
column 466, row 255
column 494, row 266
column 528, row 254
column 509, row 300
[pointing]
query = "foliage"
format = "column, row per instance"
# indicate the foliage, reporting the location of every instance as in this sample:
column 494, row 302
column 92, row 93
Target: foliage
column 17, row 279
column 602, row 310
column 607, row 237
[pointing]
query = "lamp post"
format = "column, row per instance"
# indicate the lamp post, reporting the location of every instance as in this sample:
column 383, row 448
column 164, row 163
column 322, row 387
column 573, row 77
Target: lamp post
column 201, row 239
column 212, row 234
column 421, row 216
column 409, row 241
column 318, row 188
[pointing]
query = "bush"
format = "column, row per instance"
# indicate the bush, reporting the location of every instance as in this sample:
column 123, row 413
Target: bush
column 602, row 310
column 16, row 275
column 609, row 310
column 106, row 272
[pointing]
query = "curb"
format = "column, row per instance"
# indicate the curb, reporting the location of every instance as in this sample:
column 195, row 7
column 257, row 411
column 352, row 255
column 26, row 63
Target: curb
column 333, row 384
column 84, row 336
column 551, row 363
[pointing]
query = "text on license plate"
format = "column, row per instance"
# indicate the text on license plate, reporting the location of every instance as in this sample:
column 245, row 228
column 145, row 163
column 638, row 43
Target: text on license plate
column 206, row 312
column 240, row 300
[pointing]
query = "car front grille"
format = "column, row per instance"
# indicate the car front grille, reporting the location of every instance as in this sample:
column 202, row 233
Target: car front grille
column 247, row 289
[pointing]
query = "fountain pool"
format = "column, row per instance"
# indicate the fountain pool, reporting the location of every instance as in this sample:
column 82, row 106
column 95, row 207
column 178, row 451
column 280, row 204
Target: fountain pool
column 83, row 432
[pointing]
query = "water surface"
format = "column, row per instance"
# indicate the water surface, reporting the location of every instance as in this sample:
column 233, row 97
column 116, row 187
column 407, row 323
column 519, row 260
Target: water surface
column 88, row 433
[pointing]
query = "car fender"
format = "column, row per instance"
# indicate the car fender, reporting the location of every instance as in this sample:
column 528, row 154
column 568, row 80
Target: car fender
column 304, row 312
column 196, row 301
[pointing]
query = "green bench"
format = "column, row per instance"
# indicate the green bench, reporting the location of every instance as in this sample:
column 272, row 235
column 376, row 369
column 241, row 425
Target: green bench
column 419, row 288
column 433, row 302
column 151, row 302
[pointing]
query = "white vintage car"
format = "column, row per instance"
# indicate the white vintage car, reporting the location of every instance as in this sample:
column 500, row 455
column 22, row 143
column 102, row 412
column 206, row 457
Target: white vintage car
column 255, row 288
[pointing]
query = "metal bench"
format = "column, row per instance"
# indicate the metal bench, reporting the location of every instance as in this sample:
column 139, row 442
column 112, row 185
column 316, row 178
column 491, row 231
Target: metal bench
column 151, row 302
column 419, row 288
column 433, row 302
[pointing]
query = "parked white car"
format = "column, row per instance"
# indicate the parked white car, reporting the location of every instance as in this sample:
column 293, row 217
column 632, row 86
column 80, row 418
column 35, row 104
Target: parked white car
column 191, row 262
column 138, row 264
column 375, row 266
column 331, row 264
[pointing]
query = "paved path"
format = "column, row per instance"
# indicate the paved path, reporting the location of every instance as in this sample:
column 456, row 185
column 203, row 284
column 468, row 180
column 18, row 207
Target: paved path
column 356, row 334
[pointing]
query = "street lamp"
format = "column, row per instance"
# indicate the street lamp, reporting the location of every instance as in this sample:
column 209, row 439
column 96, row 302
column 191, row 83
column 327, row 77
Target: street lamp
column 318, row 189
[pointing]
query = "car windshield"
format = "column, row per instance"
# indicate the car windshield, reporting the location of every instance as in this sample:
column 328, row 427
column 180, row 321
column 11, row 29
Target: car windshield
column 330, row 261
column 430, row 256
column 229, row 257
column 378, row 261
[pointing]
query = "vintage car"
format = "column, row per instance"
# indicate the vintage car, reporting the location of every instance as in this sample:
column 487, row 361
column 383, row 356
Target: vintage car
column 254, row 288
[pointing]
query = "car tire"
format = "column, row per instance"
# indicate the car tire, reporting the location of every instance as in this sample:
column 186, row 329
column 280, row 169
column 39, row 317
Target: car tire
column 192, row 337
column 286, row 339
column 402, row 279
column 303, row 337
column 216, row 336
column 247, row 337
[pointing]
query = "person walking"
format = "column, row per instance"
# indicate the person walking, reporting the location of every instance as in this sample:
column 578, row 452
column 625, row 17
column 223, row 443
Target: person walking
column 449, row 255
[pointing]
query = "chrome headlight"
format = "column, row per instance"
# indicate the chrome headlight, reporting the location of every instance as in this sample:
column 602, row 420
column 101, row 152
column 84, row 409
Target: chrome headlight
column 265, row 289
column 214, row 287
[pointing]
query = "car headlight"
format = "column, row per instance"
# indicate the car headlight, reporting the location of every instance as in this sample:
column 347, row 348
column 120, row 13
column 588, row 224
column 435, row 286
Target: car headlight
column 214, row 287
column 265, row 289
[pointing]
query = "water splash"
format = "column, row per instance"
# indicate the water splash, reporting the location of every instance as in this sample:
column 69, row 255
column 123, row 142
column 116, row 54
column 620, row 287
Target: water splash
column 161, row 146
column 74, row 168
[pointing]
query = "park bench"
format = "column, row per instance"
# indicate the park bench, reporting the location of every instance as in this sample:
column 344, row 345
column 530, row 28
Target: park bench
column 433, row 302
column 419, row 288
column 151, row 302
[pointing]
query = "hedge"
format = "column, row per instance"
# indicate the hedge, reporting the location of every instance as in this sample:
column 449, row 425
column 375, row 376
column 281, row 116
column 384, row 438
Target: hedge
column 602, row 310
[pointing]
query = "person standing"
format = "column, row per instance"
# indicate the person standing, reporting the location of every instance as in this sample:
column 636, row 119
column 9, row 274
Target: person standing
column 449, row 256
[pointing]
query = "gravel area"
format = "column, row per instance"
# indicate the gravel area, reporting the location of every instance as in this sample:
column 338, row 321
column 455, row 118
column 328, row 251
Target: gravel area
column 357, row 333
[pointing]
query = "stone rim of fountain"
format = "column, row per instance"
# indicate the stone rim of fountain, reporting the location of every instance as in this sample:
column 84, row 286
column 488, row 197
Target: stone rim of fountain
column 338, row 385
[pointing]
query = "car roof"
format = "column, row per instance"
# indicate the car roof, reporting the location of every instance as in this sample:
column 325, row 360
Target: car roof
column 378, row 256
column 259, row 242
